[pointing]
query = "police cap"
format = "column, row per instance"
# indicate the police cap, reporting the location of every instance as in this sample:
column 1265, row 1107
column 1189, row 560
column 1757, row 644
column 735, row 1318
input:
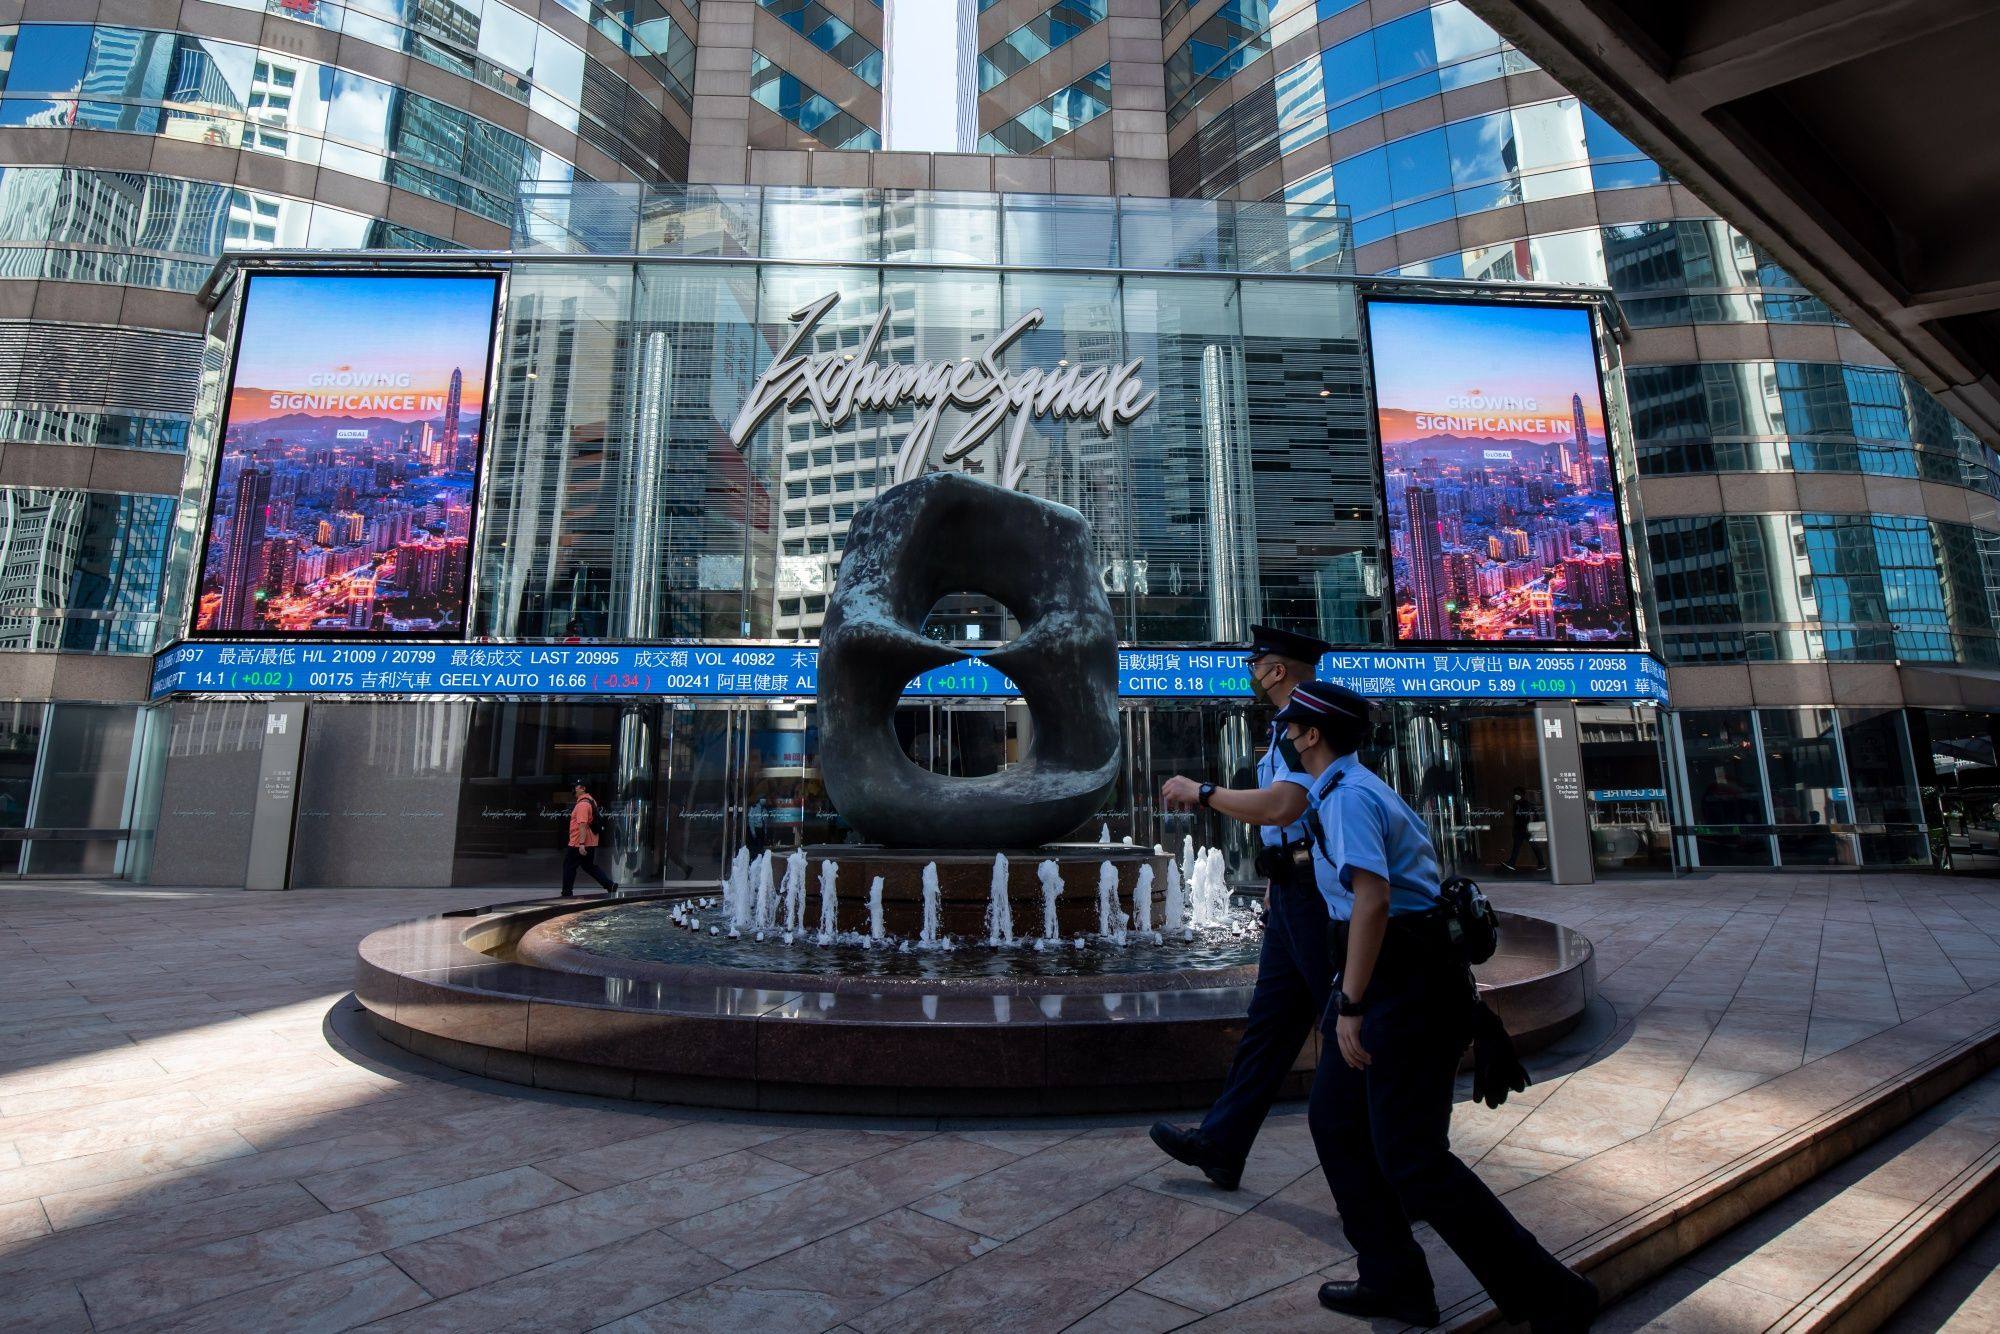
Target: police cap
column 1323, row 704
column 1268, row 639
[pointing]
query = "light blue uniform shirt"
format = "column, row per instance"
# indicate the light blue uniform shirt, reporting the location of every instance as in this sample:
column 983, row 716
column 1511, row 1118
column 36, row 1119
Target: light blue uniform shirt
column 1369, row 828
column 1273, row 768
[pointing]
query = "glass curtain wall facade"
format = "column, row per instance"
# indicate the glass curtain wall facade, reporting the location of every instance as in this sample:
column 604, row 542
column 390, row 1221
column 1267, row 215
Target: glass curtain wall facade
column 615, row 507
column 618, row 383
column 141, row 145
column 1819, row 527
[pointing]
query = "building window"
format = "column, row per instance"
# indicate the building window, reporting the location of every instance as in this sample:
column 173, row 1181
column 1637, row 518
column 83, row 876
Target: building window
column 82, row 571
column 1053, row 117
column 826, row 31
column 156, row 231
column 1544, row 150
column 1615, row 161
column 1051, row 28
column 1823, row 588
column 1232, row 37
column 226, row 95
column 782, row 92
column 221, row 92
column 1416, row 55
column 1801, row 417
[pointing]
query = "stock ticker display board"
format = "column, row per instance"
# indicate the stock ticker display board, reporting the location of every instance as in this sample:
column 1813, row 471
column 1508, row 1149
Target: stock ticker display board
column 768, row 672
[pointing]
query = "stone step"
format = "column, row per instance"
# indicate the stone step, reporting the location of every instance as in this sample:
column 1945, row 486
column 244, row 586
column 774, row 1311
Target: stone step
column 1630, row 1214
column 1846, row 1249
column 1961, row 1298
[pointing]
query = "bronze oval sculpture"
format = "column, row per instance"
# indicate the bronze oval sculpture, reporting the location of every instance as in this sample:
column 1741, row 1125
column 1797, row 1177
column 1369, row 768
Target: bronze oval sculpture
column 950, row 533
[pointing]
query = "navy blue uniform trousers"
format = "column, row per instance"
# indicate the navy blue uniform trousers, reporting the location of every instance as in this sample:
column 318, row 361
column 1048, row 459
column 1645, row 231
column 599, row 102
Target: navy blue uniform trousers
column 1293, row 982
column 1383, row 1135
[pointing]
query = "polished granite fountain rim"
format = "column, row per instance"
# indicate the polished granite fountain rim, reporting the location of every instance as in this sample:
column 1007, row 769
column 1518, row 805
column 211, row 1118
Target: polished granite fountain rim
column 429, row 987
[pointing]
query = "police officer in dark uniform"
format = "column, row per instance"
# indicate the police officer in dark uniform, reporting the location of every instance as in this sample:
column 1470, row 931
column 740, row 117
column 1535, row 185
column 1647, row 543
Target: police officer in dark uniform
column 1293, row 976
column 1401, row 1016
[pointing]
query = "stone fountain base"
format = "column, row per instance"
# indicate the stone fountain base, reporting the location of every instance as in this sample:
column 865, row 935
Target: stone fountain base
column 457, row 990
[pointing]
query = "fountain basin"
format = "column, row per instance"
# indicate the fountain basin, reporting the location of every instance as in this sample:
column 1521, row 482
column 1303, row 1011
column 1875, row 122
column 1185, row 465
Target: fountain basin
column 641, row 942
column 455, row 989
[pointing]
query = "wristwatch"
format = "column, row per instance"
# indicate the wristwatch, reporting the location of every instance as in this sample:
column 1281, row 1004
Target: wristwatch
column 1207, row 791
column 1346, row 1008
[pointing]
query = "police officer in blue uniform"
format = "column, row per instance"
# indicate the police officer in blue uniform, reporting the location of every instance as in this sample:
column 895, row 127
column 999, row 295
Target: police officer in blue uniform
column 1400, row 1017
column 1293, row 975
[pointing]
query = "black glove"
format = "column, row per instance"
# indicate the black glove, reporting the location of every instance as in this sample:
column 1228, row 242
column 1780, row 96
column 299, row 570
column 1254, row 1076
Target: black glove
column 1496, row 1070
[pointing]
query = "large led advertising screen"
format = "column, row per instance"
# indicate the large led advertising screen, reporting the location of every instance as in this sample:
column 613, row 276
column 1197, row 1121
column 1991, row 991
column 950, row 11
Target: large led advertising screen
column 1501, row 500
column 346, row 477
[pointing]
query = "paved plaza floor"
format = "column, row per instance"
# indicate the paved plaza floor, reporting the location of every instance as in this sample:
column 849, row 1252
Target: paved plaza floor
column 198, row 1131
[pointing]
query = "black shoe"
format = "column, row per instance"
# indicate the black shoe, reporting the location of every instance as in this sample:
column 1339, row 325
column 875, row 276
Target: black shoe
column 569, row 894
column 1353, row 1298
column 1192, row 1147
column 1571, row 1312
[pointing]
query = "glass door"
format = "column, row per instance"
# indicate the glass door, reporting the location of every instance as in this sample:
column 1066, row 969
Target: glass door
column 1729, row 821
column 1810, row 814
column 700, row 811
column 1208, row 742
column 1627, row 792
column 976, row 739
column 786, row 805
column 1961, row 760
column 1475, row 775
column 521, row 758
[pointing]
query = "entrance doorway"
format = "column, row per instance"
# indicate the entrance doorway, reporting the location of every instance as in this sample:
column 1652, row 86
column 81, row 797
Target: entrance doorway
column 1626, row 788
column 699, row 826
column 1474, row 773
column 1963, row 785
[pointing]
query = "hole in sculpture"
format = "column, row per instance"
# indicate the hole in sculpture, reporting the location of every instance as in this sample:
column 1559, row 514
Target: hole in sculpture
column 971, row 620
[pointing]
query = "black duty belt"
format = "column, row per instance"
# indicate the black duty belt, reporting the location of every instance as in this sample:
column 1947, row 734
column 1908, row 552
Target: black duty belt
column 1285, row 861
column 1419, row 931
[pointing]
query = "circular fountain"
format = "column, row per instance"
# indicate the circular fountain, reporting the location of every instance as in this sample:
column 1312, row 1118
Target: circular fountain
column 926, row 919
column 650, row 997
column 1003, row 974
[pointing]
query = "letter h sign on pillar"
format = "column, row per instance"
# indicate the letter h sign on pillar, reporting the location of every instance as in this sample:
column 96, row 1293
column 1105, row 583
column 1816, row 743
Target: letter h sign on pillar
column 276, row 806
column 1567, row 809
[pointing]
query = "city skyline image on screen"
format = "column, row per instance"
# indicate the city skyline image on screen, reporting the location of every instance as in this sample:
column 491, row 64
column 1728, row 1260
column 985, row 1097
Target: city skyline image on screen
column 349, row 457
column 1501, row 502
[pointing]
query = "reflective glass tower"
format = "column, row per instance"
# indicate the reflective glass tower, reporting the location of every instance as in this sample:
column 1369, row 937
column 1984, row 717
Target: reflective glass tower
column 1825, row 544
column 140, row 144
